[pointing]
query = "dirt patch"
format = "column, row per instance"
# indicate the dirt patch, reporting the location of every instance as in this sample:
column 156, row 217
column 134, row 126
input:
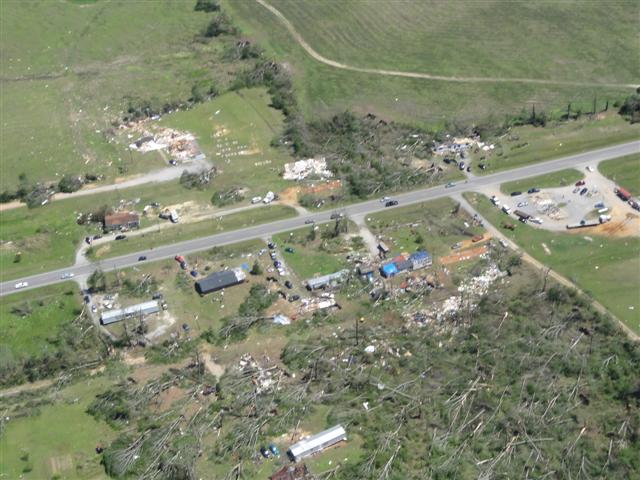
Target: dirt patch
column 464, row 255
column 214, row 368
column 170, row 396
column 11, row 205
column 132, row 360
column 102, row 251
column 60, row 463
column 629, row 226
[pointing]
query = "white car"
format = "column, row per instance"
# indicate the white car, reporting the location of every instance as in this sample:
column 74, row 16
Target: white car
column 21, row 285
column 590, row 168
column 66, row 275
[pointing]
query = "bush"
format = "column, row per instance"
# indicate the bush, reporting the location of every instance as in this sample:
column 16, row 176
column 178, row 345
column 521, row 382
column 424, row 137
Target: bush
column 207, row 6
column 630, row 109
column 220, row 25
column 70, row 184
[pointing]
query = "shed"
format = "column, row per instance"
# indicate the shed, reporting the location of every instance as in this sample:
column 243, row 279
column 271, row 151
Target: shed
column 146, row 308
column 316, row 443
column 383, row 247
column 219, row 280
column 117, row 221
column 388, row 270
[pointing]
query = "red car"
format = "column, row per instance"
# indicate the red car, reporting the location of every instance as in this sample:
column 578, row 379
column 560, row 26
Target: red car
column 579, row 183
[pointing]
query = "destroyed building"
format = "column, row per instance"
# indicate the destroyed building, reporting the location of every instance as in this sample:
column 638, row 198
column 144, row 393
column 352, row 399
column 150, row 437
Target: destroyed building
column 121, row 220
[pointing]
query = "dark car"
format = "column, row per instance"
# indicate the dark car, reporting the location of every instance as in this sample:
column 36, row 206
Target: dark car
column 461, row 165
column 482, row 166
column 288, row 284
column 579, row 183
column 173, row 162
column 157, row 296
column 289, row 250
column 583, row 191
column 334, row 216
column 533, row 190
column 469, row 168
column 120, row 237
column 391, row 203
column 193, row 273
column 309, row 222
column 271, row 245
column 274, row 449
column 265, row 453
column 87, row 299
column 294, row 298
column 277, row 264
column 515, row 194
column 142, row 258
column 96, row 237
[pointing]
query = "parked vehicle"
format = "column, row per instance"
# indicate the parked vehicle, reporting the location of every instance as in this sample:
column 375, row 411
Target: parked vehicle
column 120, row 237
column 173, row 162
column 274, row 449
column 66, row 275
column 477, row 238
column 506, row 209
column 272, row 255
column 21, row 285
column 522, row 204
column 504, row 243
column 469, row 169
column 533, row 190
column 384, row 199
column 482, row 166
column 516, row 193
column 289, row 250
column 495, row 201
column 579, row 183
column 309, row 222
column 583, row 191
column 265, row 453
column 294, row 298
column 277, row 264
column 449, row 185
column 461, row 165
column 193, row 273
column 391, row 203
column 336, row 215
column 142, row 258
column 256, row 200
column 288, row 284
column 271, row 245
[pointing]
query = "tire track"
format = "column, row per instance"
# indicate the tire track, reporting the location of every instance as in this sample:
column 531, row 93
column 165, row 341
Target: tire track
column 426, row 76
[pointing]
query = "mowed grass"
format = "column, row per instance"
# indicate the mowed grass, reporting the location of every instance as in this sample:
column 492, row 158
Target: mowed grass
column 472, row 39
column 624, row 171
column 58, row 441
column 528, row 144
column 67, row 66
column 35, row 333
column 606, row 268
column 550, row 180
column 230, row 122
column 431, row 226
column 180, row 233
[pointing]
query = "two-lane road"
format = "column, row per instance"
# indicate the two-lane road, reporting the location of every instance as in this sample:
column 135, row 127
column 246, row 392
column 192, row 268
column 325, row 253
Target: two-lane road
column 364, row 208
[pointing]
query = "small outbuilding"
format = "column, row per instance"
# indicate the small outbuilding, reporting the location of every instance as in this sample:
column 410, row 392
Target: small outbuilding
column 316, row 443
column 121, row 220
column 219, row 280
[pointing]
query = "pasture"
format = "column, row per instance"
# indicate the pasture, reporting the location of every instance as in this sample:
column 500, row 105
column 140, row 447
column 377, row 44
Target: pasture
column 483, row 39
column 606, row 268
column 68, row 66
column 624, row 171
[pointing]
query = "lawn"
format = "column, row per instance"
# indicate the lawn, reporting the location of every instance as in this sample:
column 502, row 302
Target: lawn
column 431, row 225
column 550, row 180
column 187, row 231
column 528, row 144
column 624, row 171
column 463, row 39
column 46, row 310
column 58, row 440
column 68, row 66
column 606, row 268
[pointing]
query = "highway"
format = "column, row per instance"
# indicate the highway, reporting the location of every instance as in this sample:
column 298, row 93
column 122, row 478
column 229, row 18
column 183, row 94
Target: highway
column 364, row 208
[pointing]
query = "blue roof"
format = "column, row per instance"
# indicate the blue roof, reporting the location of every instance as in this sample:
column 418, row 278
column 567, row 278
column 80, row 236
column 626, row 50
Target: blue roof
column 389, row 269
column 419, row 255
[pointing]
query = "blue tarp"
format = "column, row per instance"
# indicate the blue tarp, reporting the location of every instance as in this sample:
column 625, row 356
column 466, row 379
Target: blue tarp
column 388, row 270
column 245, row 266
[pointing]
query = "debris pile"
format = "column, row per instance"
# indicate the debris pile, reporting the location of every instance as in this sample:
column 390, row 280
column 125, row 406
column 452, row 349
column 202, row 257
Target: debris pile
column 303, row 168
column 180, row 145
column 325, row 300
column 265, row 380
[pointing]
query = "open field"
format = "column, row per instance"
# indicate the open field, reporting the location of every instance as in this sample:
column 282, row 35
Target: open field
column 31, row 321
column 57, row 440
column 188, row 231
column 606, row 268
column 67, row 66
column 624, row 171
column 550, row 180
column 368, row 35
column 527, row 144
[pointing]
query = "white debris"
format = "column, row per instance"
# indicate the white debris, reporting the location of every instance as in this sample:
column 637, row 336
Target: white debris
column 304, row 168
column 370, row 349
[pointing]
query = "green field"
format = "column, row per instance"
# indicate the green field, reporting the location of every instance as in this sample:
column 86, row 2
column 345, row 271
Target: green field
column 187, row 231
column 624, row 171
column 606, row 268
column 46, row 311
column 569, row 43
column 67, row 66
column 59, row 440
column 528, row 144
column 550, row 180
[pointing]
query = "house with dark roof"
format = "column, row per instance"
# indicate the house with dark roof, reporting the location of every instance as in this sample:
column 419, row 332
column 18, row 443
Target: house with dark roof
column 219, row 280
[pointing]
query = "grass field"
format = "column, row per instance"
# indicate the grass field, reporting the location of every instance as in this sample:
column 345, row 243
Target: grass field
column 606, row 268
column 66, row 67
column 459, row 39
column 525, row 145
column 59, row 441
column 188, row 231
column 35, row 334
column 550, row 180
column 624, row 171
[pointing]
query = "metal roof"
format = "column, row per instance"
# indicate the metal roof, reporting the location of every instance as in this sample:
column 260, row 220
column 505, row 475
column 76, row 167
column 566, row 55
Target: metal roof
column 145, row 308
column 120, row 218
column 419, row 255
column 318, row 441
column 323, row 280
column 220, row 280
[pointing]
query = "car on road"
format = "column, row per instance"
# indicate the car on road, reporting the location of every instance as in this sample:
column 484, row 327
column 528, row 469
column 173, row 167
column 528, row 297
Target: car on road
column 516, row 193
column 533, row 190
column 21, row 285
column 589, row 168
column 384, row 199
column 335, row 216
column 580, row 183
column 391, row 203
column 504, row 243
column 288, row 284
column 120, row 237
column 309, row 222
column 142, row 258
column 66, row 275
column 449, row 185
